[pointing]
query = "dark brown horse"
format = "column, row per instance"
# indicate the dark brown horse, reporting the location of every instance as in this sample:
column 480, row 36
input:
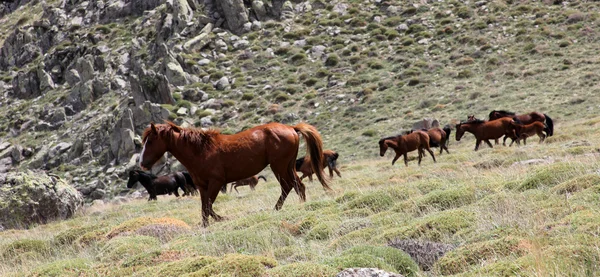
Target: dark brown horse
column 529, row 130
column 159, row 185
column 526, row 118
column 438, row 137
column 486, row 130
column 329, row 160
column 252, row 182
column 402, row 144
column 214, row 159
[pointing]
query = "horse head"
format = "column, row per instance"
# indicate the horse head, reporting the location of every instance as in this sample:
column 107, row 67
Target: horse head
column 155, row 143
column 459, row 131
column 133, row 178
column 382, row 147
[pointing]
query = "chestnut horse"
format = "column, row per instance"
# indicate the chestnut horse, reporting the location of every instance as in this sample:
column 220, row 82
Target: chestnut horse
column 524, row 131
column 473, row 118
column 214, row 159
column 252, row 182
column 438, row 137
column 402, row 144
column 329, row 160
column 486, row 130
column 526, row 118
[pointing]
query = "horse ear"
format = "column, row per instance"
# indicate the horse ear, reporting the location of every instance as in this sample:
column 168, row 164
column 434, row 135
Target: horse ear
column 176, row 128
column 153, row 128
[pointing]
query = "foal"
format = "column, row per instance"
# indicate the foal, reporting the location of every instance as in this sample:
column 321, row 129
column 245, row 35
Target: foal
column 166, row 184
column 329, row 160
column 251, row 181
column 529, row 130
column 402, row 144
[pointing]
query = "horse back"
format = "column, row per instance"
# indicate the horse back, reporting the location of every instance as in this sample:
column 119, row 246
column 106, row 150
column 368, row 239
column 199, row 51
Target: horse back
column 415, row 140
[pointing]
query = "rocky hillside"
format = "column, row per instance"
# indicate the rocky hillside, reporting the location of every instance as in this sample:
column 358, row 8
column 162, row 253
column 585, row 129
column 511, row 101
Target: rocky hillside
column 81, row 79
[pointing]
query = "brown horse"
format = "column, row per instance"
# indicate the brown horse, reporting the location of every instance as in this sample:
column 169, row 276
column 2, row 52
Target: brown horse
column 526, row 118
column 473, row 118
column 486, row 130
column 214, row 159
column 252, row 182
column 438, row 137
column 529, row 130
column 329, row 160
column 402, row 144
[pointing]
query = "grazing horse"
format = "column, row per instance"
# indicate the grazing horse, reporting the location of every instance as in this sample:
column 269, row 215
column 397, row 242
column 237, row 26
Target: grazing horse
column 329, row 160
column 438, row 137
column 166, row 184
column 486, row 130
column 214, row 159
column 402, row 144
column 535, row 128
column 252, row 182
column 526, row 118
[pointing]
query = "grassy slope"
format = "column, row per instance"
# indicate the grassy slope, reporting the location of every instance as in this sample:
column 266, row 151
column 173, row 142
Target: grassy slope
column 508, row 219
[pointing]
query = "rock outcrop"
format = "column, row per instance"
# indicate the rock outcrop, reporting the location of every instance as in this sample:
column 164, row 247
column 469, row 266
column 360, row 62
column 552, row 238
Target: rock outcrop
column 35, row 198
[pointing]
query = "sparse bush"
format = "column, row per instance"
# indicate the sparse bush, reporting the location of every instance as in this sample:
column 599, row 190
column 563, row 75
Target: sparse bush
column 359, row 261
column 311, row 82
column 577, row 184
column 70, row 267
column 332, row 60
column 369, row 133
column 298, row 58
column 551, row 175
column 376, row 201
column 447, row 199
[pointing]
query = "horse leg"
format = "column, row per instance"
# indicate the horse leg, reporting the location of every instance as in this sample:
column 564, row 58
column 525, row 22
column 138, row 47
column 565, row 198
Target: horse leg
column 431, row 153
column 337, row 172
column 204, row 199
column 489, row 143
column 176, row 192
column 286, row 177
column 477, row 143
column 405, row 159
column 496, row 141
column 213, row 191
column 235, row 187
column 420, row 151
column 310, row 177
column 330, row 171
column 395, row 158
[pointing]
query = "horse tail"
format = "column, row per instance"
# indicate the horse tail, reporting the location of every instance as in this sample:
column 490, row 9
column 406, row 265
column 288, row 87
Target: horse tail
column 314, row 146
column 180, row 181
column 262, row 177
column 550, row 125
column 448, row 131
column 299, row 163
column 190, row 183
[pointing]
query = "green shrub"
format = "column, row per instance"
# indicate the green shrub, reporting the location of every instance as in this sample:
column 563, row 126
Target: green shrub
column 302, row 269
column 551, row 175
column 237, row 265
column 123, row 247
column 359, row 261
column 369, row 133
column 332, row 60
column 178, row 268
column 400, row 261
column 447, row 199
column 460, row 259
column 71, row 267
column 247, row 96
column 298, row 58
column 376, row 201
column 30, row 247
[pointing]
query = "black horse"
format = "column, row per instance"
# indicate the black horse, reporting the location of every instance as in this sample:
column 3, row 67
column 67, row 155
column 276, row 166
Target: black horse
column 156, row 185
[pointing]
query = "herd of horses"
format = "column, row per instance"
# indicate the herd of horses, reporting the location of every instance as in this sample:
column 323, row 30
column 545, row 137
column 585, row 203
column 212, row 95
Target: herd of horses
column 214, row 160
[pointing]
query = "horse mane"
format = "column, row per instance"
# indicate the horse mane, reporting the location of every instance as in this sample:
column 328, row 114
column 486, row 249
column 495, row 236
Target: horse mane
column 148, row 174
column 502, row 112
column 197, row 137
column 392, row 137
column 476, row 121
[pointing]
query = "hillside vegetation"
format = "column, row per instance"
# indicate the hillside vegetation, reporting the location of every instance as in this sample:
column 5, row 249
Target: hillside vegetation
column 358, row 71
